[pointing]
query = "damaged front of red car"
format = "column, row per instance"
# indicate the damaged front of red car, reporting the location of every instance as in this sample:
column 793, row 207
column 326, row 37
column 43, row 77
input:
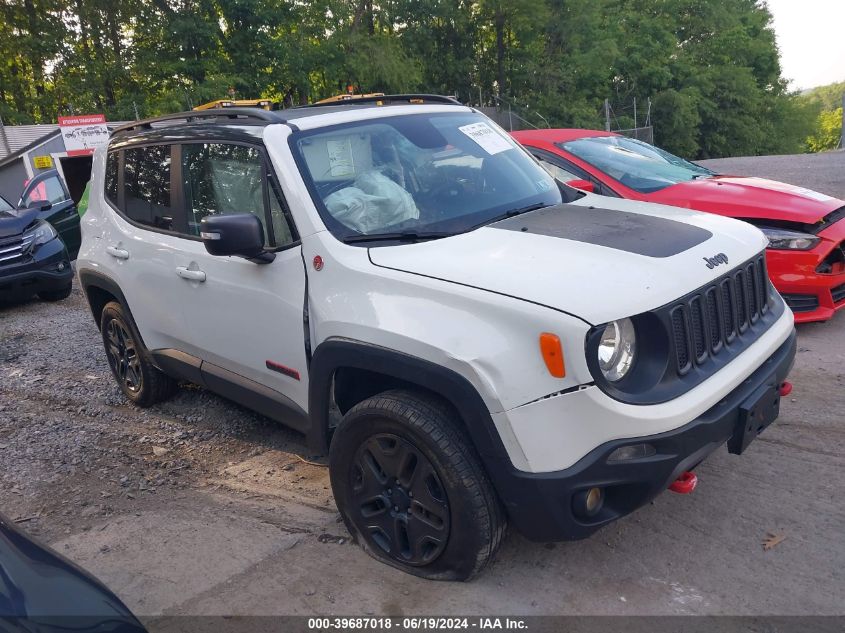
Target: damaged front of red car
column 806, row 231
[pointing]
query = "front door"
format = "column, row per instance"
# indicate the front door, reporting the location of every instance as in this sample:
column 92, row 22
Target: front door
column 62, row 214
column 244, row 317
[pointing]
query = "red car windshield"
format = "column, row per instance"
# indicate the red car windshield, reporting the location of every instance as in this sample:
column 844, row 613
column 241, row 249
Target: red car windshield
column 635, row 164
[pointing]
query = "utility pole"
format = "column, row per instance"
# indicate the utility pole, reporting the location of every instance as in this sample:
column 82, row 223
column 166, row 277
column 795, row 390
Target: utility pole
column 606, row 115
column 635, row 113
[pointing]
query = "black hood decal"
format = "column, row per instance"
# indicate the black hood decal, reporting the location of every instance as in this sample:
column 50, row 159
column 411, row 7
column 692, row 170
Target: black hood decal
column 631, row 232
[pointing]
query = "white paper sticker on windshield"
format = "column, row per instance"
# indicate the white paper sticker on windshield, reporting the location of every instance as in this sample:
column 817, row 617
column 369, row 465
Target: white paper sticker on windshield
column 814, row 195
column 489, row 139
column 340, row 157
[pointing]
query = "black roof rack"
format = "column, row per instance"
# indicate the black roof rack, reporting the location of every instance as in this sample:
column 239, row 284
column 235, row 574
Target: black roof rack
column 387, row 100
column 244, row 114
column 259, row 115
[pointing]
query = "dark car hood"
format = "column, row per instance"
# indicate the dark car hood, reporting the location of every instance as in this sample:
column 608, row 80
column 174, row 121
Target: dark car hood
column 37, row 582
column 14, row 222
column 742, row 197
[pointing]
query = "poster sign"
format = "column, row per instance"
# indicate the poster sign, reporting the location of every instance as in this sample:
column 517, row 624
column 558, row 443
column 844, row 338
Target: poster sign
column 490, row 140
column 84, row 133
column 43, row 162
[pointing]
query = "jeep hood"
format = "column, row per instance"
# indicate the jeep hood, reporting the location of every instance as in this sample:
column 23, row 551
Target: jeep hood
column 598, row 259
column 741, row 197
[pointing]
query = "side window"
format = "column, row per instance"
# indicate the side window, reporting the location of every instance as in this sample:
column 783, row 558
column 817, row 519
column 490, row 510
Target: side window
column 111, row 177
column 281, row 225
column 146, row 177
column 49, row 189
column 223, row 179
column 558, row 172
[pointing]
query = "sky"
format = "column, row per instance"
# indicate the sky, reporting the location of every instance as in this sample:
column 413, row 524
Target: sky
column 811, row 38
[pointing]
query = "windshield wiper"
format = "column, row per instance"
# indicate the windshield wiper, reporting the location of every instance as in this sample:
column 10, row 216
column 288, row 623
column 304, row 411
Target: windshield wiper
column 515, row 212
column 399, row 236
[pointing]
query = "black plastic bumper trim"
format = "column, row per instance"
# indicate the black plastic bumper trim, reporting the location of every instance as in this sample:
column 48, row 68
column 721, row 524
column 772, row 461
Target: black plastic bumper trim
column 37, row 275
column 540, row 504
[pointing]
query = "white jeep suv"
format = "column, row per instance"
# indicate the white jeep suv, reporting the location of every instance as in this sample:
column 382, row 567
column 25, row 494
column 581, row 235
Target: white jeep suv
column 500, row 347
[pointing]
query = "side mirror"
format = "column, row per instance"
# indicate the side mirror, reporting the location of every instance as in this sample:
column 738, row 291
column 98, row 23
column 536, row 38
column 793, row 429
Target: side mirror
column 241, row 235
column 41, row 205
column 583, row 185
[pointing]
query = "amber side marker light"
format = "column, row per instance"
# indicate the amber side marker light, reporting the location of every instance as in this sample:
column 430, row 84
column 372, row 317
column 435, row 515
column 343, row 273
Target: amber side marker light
column 552, row 354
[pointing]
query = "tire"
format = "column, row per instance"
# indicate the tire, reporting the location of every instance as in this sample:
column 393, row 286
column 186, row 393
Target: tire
column 139, row 380
column 411, row 488
column 56, row 295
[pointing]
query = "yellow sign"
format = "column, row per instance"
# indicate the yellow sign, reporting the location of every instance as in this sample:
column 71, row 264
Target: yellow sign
column 43, row 162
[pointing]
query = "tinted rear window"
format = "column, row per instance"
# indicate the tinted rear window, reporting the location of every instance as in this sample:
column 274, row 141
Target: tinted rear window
column 147, row 186
column 111, row 177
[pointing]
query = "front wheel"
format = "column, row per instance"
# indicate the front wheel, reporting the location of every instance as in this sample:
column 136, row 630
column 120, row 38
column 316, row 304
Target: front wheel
column 411, row 488
column 55, row 295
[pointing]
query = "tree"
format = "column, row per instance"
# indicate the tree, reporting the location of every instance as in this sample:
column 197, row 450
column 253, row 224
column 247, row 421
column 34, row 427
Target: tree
column 711, row 69
column 828, row 131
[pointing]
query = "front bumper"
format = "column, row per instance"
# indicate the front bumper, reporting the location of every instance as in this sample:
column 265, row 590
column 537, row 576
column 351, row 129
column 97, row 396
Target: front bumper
column 36, row 273
column 540, row 505
column 812, row 295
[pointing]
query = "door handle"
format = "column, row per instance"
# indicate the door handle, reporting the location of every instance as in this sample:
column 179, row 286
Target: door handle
column 187, row 273
column 120, row 253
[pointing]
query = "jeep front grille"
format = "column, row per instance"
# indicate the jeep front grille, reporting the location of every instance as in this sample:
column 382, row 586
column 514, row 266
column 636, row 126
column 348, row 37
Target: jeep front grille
column 14, row 248
column 713, row 316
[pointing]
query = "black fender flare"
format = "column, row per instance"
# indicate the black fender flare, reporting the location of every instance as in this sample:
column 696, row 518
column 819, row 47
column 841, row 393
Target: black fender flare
column 334, row 354
column 93, row 279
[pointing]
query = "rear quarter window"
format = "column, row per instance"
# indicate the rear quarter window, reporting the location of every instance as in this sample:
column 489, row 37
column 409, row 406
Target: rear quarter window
column 146, row 186
column 111, row 177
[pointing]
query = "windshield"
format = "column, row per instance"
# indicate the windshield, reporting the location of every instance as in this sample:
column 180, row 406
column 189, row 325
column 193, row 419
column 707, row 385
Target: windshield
column 635, row 164
column 418, row 174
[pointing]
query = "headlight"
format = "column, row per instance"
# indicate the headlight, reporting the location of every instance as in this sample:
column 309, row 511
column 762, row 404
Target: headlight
column 41, row 233
column 785, row 239
column 617, row 349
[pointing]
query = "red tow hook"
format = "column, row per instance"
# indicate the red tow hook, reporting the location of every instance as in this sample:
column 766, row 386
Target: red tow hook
column 785, row 389
column 684, row 484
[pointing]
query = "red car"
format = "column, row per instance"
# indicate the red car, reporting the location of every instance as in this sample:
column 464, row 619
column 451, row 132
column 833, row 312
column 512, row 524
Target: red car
column 806, row 229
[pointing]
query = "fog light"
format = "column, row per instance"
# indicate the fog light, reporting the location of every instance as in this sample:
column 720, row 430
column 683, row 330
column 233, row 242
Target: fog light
column 587, row 503
column 593, row 501
column 634, row 451
column 60, row 267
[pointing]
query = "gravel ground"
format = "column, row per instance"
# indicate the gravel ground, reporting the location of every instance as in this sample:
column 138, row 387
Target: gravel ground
column 198, row 506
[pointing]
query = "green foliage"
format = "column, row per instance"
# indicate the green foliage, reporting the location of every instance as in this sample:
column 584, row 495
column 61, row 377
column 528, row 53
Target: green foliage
column 824, row 106
column 827, row 97
column 828, row 131
column 711, row 69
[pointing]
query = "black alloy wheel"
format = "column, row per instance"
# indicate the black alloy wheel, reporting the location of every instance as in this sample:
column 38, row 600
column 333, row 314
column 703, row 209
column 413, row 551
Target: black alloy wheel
column 130, row 362
column 123, row 356
column 411, row 488
column 400, row 499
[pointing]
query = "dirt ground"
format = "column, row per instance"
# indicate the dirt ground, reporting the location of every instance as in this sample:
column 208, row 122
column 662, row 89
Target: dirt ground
column 197, row 506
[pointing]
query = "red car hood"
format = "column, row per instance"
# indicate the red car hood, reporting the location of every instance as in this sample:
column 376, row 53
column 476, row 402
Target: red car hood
column 741, row 197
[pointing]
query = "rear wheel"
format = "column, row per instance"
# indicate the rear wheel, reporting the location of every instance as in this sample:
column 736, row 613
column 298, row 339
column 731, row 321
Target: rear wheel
column 55, row 295
column 138, row 379
column 411, row 488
